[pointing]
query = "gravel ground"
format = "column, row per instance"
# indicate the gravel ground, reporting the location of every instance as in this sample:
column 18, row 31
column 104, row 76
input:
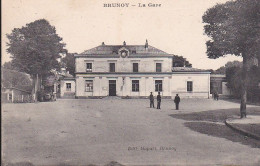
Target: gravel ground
column 219, row 115
column 217, row 128
column 84, row 132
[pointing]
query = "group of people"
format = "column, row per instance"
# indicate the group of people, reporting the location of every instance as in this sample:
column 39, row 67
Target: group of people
column 177, row 100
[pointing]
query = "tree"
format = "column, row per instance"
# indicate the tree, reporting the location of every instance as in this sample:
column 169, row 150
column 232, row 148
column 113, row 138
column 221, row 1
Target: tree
column 15, row 79
column 233, row 76
column 222, row 69
column 35, row 49
column 69, row 63
column 234, row 28
column 9, row 65
column 180, row 61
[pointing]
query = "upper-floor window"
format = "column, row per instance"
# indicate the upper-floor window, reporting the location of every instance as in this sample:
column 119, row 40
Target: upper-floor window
column 189, row 86
column 135, row 67
column 89, row 67
column 158, row 85
column 112, row 67
column 68, row 86
column 135, row 85
column 158, row 67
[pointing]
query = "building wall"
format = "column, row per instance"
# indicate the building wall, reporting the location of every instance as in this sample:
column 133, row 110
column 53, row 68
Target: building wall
column 201, row 85
column 15, row 95
column 172, row 84
column 64, row 93
column 123, row 64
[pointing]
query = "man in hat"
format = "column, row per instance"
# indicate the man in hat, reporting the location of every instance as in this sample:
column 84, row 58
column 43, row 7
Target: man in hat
column 177, row 101
column 151, row 100
column 159, row 99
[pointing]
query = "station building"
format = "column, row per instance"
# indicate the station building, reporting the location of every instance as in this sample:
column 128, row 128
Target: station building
column 135, row 71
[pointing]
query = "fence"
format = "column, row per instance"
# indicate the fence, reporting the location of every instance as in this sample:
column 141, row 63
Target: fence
column 23, row 99
column 8, row 98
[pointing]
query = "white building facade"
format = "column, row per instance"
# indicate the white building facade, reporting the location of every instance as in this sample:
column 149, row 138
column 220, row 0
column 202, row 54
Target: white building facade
column 135, row 71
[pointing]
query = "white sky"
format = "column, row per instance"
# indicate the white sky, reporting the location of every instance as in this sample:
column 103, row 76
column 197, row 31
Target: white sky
column 175, row 28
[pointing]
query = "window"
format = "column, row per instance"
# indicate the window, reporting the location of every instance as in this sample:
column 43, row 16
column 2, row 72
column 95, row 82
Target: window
column 189, row 86
column 89, row 86
column 158, row 67
column 135, row 67
column 68, row 86
column 112, row 67
column 10, row 96
column 135, row 85
column 158, row 85
column 89, row 67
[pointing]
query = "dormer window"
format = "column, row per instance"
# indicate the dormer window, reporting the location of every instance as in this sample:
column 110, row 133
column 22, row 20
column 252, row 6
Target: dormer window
column 112, row 67
column 158, row 67
column 135, row 67
column 89, row 67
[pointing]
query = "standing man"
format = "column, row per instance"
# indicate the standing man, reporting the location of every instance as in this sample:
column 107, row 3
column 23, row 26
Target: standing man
column 217, row 95
column 159, row 99
column 177, row 101
column 151, row 100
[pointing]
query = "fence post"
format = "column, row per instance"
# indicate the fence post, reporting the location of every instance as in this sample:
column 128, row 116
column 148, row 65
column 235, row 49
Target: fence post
column 12, row 96
column 22, row 98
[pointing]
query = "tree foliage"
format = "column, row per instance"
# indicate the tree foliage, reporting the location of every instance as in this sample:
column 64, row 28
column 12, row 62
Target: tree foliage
column 234, row 75
column 234, row 28
column 222, row 69
column 12, row 78
column 69, row 63
column 180, row 61
column 35, row 47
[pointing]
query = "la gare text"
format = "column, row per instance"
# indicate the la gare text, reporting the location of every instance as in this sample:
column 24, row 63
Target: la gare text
column 125, row 5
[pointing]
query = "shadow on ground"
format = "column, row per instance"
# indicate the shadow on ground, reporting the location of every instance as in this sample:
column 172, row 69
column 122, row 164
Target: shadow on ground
column 112, row 163
column 234, row 100
column 202, row 122
column 222, row 131
column 215, row 115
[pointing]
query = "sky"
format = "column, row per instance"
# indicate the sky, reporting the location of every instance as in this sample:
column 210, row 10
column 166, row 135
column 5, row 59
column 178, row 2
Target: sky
column 176, row 27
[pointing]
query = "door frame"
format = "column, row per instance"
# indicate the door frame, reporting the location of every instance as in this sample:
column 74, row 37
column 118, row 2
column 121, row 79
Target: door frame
column 111, row 92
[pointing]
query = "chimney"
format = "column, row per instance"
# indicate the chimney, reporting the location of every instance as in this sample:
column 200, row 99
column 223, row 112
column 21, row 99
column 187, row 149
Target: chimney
column 124, row 43
column 146, row 44
column 103, row 43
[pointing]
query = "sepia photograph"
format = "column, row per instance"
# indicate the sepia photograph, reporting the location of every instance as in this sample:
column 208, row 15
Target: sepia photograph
column 130, row 83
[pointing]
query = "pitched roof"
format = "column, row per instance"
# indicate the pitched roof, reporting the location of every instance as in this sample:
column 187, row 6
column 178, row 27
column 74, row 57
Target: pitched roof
column 134, row 49
column 187, row 69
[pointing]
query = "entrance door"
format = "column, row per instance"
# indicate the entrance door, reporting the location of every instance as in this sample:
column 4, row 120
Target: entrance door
column 112, row 87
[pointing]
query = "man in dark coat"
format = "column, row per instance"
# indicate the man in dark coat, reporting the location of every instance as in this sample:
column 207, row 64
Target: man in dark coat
column 159, row 99
column 177, row 101
column 151, row 100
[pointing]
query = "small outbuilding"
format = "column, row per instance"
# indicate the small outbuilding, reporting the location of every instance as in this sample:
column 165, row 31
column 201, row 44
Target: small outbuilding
column 15, row 95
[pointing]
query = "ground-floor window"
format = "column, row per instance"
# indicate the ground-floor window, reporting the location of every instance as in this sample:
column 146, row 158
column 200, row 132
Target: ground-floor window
column 158, row 85
column 189, row 86
column 68, row 86
column 89, row 85
column 135, row 85
column 10, row 96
